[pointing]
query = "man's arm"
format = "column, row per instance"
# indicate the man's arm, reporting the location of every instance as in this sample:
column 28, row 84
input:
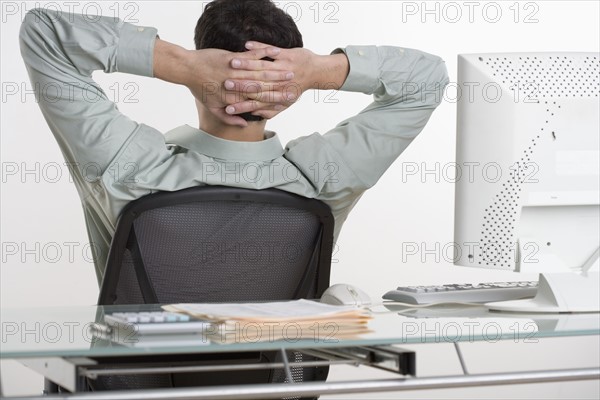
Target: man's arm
column 61, row 50
column 407, row 85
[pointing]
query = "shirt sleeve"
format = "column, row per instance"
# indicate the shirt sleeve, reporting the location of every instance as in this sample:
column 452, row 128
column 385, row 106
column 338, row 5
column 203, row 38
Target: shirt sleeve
column 61, row 50
column 407, row 85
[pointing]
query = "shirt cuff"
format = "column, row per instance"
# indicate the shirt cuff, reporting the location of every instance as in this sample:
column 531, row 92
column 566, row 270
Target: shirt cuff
column 135, row 51
column 364, row 69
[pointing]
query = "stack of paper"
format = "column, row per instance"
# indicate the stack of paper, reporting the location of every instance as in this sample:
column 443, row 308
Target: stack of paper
column 285, row 320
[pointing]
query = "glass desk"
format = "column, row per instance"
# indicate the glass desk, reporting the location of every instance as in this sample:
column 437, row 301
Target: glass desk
column 59, row 342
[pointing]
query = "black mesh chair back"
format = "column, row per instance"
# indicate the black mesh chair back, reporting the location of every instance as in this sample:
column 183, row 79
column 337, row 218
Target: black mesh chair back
column 220, row 244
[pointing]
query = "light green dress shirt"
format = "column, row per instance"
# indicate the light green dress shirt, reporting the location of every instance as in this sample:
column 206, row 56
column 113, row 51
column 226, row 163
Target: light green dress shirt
column 115, row 160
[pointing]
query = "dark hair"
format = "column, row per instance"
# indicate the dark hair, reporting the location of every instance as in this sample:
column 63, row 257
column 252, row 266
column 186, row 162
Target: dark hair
column 229, row 24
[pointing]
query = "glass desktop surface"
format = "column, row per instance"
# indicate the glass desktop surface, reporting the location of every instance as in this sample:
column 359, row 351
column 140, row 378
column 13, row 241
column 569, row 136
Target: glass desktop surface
column 66, row 331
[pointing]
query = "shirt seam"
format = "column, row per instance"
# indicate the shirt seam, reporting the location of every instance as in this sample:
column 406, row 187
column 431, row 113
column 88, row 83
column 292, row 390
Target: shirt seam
column 122, row 150
column 340, row 159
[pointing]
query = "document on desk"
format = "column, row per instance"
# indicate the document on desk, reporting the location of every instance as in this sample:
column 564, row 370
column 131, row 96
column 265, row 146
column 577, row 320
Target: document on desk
column 296, row 319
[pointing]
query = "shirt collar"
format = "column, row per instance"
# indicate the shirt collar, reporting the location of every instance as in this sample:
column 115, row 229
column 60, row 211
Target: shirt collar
column 204, row 143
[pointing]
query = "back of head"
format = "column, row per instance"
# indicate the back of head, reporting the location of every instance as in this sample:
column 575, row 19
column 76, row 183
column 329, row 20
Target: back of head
column 229, row 24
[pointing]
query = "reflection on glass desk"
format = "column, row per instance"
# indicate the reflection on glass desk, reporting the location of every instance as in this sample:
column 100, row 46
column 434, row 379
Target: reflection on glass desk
column 564, row 324
column 67, row 331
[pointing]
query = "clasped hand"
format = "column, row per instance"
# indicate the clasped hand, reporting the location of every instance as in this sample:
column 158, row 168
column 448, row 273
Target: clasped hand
column 234, row 83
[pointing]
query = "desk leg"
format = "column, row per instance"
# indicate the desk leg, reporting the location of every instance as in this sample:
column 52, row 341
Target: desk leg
column 50, row 387
column 286, row 366
column 59, row 371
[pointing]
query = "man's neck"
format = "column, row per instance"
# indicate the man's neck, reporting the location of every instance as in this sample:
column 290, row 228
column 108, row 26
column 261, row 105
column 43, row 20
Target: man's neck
column 254, row 132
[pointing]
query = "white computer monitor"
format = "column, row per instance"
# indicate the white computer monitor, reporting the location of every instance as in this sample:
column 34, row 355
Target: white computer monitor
column 528, row 196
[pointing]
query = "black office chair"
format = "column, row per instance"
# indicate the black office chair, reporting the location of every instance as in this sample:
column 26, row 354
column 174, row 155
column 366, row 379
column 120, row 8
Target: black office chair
column 219, row 244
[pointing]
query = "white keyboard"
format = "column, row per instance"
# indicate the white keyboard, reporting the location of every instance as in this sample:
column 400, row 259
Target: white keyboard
column 155, row 323
column 463, row 292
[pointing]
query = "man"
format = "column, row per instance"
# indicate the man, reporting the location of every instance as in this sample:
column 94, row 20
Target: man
column 235, row 92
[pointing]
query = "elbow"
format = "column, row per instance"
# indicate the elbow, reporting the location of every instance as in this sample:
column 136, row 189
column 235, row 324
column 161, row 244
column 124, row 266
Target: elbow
column 442, row 79
column 442, row 73
column 426, row 86
column 436, row 85
column 29, row 25
column 32, row 27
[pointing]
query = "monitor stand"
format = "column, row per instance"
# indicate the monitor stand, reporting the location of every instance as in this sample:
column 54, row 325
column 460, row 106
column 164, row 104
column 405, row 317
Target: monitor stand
column 558, row 293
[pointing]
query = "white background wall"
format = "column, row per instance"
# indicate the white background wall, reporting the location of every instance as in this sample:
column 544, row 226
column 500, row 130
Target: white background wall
column 45, row 256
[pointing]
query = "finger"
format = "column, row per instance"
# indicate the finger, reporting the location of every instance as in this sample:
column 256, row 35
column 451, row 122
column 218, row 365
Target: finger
column 247, row 86
column 257, row 65
column 253, row 44
column 266, row 114
column 260, row 70
column 262, row 52
column 234, row 120
column 280, row 97
column 229, row 119
column 251, row 106
column 261, row 92
column 265, row 76
column 254, row 65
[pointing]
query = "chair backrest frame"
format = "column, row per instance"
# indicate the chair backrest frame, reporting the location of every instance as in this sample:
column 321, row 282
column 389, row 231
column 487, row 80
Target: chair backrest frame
column 124, row 236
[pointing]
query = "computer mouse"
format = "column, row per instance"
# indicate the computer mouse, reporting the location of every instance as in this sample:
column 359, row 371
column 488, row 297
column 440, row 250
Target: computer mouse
column 346, row 295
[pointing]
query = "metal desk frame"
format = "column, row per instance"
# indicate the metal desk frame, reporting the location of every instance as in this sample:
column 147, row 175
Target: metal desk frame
column 71, row 373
